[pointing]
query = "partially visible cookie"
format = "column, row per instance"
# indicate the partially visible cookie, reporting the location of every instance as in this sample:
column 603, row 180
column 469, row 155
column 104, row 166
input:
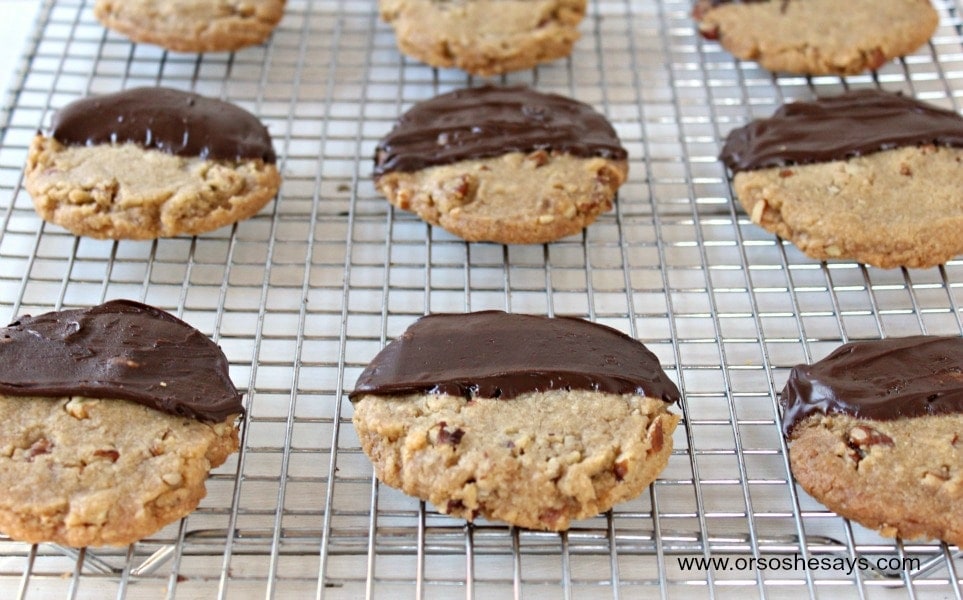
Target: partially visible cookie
column 192, row 25
column 867, row 175
column 818, row 37
column 91, row 472
column 875, row 433
column 151, row 162
column 518, row 418
column 484, row 37
column 502, row 164
column 110, row 420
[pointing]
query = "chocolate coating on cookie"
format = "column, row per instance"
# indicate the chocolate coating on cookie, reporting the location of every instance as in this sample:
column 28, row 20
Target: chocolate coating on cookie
column 882, row 380
column 491, row 121
column 120, row 349
column 167, row 120
column 852, row 124
column 493, row 354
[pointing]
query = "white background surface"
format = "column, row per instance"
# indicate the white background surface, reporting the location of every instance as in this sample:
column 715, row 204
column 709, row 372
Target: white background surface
column 16, row 23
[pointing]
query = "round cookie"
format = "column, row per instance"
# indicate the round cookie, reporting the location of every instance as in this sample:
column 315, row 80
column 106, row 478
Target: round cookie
column 502, row 164
column 867, row 175
column 484, row 37
column 110, row 420
column 817, row 37
column 875, row 433
column 151, row 162
column 192, row 25
column 536, row 429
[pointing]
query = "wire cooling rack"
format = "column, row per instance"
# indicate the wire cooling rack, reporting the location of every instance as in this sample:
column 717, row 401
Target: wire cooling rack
column 301, row 296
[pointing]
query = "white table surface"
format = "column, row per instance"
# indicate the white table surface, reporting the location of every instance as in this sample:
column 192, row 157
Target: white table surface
column 16, row 23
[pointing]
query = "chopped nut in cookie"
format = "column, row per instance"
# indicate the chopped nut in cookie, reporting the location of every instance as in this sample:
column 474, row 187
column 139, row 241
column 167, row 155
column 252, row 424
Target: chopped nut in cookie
column 544, row 441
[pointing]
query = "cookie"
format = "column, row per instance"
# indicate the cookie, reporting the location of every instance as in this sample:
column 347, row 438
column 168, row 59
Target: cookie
column 192, row 25
column 875, row 433
column 867, row 175
column 529, row 420
column 484, row 37
column 502, row 164
column 110, row 420
column 817, row 37
column 151, row 162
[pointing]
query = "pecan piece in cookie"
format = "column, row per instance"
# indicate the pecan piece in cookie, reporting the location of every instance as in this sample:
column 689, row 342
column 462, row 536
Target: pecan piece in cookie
column 111, row 418
column 874, row 177
column 872, row 432
column 151, row 162
column 529, row 420
column 502, row 164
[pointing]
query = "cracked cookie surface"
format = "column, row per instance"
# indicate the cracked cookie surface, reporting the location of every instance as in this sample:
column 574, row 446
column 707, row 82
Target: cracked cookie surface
column 902, row 477
column 87, row 472
column 818, row 37
column 901, row 207
column 129, row 192
column 150, row 162
column 484, row 37
column 540, row 460
column 192, row 25
column 516, row 198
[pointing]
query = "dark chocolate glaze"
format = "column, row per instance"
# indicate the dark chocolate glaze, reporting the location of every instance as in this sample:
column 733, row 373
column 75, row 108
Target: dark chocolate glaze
column 881, row 380
column 837, row 128
column 490, row 121
column 168, row 120
column 493, row 354
column 118, row 350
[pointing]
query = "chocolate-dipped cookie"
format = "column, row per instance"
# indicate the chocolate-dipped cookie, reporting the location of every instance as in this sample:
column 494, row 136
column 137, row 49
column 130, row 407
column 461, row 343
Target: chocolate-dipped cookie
column 110, row 420
column 817, row 37
column 875, row 433
column 867, row 175
column 151, row 162
column 530, row 420
column 192, row 25
column 502, row 164
column 484, row 37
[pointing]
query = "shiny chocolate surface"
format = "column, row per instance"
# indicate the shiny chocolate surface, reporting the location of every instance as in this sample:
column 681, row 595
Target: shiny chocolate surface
column 493, row 354
column 883, row 380
column 120, row 349
column 164, row 119
column 490, row 121
column 839, row 127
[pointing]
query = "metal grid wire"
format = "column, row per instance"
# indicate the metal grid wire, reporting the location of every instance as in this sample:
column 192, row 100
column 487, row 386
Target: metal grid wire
column 302, row 295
